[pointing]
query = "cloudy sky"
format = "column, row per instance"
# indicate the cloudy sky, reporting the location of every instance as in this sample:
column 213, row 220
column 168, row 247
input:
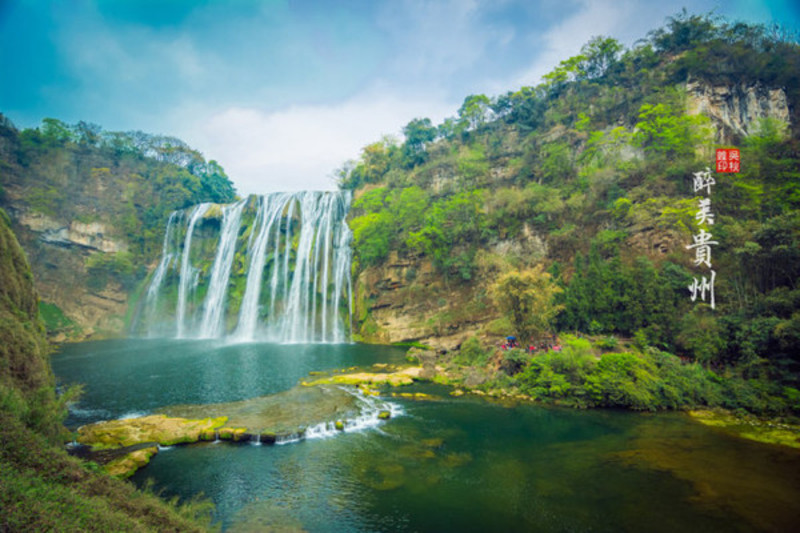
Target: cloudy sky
column 280, row 92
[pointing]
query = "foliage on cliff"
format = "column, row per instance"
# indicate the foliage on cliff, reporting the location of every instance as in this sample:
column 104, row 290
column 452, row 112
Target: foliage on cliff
column 41, row 488
column 27, row 386
column 596, row 162
column 89, row 207
column 128, row 182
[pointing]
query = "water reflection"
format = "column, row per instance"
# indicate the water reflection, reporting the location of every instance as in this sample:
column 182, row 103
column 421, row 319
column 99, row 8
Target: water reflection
column 448, row 465
column 138, row 375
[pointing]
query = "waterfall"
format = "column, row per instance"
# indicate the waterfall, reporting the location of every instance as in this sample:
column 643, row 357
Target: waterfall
column 214, row 305
column 167, row 255
column 186, row 268
column 274, row 267
column 269, row 211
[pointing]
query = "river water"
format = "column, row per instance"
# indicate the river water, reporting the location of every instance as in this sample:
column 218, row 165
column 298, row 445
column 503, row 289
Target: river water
column 446, row 464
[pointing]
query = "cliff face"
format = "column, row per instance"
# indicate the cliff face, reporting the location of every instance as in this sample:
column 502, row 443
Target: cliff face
column 59, row 250
column 406, row 299
column 89, row 209
column 735, row 110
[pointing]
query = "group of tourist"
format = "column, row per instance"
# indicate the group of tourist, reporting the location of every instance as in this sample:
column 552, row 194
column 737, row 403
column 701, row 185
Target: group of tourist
column 541, row 346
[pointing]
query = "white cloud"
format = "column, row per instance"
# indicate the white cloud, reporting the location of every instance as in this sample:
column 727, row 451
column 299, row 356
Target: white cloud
column 298, row 148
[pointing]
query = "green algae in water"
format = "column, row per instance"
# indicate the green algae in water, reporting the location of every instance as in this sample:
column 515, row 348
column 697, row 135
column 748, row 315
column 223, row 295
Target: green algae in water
column 496, row 468
column 458, row 464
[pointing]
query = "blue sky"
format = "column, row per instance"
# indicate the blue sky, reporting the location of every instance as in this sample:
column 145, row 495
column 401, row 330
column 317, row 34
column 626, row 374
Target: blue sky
column 281, row 93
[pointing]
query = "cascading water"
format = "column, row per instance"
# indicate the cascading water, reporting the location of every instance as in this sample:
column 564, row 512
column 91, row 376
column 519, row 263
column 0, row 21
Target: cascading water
column 186, row 269
column 270, row 209
column 214, row 306
column 167, row 255
column 273, row 267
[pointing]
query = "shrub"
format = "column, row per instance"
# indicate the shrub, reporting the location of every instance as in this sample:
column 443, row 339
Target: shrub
column 513, row 361
column 624, row 380
column 607, row 343
column 559, row 374
column 472, row 353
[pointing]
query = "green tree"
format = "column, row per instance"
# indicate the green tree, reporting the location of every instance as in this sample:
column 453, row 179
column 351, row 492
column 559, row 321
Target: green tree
column 601, row 53
column 701, row 335
column 665, row 130
column 475, row 110
column 527, row 299
column 419, row 132
column 55, row 132
column 453, row 229
column 372, row 237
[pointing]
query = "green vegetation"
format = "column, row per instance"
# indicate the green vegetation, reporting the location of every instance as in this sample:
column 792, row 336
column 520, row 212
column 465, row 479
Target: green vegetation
column 104, row 267
column 27, row 386
column 128, row 182
column 407, row 219
column 527, row 298
column 54, row 319
column 41, row 487
column 650, row 379
column 472, row 353
column 588, row 177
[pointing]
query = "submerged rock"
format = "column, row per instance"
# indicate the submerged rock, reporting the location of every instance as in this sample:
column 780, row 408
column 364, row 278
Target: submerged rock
column 383, row 477
column 750, row 427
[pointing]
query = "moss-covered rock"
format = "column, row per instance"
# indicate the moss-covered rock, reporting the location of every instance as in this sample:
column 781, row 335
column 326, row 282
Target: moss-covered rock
column 413, row 396
column 126, row 466
column 208, row 435
column 154, row 428
column 405, row 376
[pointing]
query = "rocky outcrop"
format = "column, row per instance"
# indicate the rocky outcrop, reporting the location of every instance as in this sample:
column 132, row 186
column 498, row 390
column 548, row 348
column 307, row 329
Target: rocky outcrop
column 736, row 109
column 90, row 236
column 125, row 445
column 58, row 251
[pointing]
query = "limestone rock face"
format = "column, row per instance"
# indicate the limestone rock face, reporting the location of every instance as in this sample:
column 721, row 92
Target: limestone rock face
column 736, row 109
column 58, row 251
column 90, row 236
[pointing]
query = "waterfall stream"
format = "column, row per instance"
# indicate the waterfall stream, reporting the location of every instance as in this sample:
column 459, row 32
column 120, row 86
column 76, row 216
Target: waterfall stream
column 274, row 267
column 211, row 325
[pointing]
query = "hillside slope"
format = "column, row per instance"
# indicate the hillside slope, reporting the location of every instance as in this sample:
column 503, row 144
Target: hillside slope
column 41, row 487
column 590, row 174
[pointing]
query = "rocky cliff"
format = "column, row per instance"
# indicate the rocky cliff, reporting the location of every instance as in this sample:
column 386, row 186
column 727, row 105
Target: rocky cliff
column 405, row 298
column 89, row 209
column 736, row 110
column 59, row 249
